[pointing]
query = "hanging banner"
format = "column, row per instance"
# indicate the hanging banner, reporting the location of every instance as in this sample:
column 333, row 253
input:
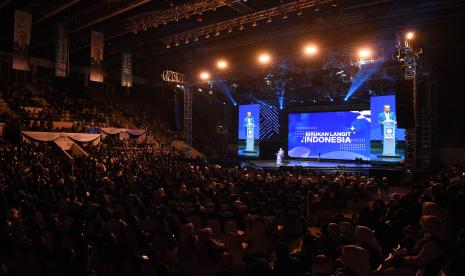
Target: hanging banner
column 22, row 38
column 126, row 70
column 96, row 57
column 62, row 51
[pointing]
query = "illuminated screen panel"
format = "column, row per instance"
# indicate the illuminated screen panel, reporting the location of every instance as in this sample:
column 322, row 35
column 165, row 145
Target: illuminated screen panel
column 377, row 106
column 249, row 115
column 330, row 135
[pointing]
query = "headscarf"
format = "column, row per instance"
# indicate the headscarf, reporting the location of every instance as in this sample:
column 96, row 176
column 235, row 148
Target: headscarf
column 347, row 231
column 356, row 259
column 435, row 227
column 434, row 209
column 364, row 235
column 334, row 233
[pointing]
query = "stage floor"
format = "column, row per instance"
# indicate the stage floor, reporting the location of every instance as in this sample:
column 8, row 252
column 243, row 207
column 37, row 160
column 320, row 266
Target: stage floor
column 328, row 167
column 306, row 163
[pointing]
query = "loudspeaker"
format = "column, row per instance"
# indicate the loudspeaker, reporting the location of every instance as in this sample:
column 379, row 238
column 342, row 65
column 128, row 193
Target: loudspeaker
column 404, row 104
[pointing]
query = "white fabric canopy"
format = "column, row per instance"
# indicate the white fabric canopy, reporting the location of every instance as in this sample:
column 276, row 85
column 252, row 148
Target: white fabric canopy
column 52, row 136
column 140, row 135
column 114, row 131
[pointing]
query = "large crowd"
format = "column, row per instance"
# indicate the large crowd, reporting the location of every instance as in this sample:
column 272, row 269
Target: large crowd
column 143, row 210
column 47, row 108
column 129, row 209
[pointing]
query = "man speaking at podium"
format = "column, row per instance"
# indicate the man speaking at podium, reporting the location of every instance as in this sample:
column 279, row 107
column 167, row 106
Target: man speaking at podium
column 249, row 125
column 248, row 120
column 386, row 116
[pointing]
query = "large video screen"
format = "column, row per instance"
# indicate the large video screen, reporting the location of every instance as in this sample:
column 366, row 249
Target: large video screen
column 330, row 135
column 382, row 108
column 249, row 130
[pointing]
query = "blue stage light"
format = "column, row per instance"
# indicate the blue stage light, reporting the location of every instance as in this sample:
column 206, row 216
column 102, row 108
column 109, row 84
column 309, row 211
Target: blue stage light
column 365, row 73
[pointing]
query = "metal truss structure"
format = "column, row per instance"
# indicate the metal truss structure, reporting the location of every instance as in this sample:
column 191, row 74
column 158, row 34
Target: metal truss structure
column 176, row 13
column 419, row 138
column 173, row 77
column 347, row 57
column 238, row 23
column 180, row 79
column 187, row 126
column 408, row 56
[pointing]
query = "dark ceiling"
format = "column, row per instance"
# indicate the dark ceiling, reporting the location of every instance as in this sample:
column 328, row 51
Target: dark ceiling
column 339, row 24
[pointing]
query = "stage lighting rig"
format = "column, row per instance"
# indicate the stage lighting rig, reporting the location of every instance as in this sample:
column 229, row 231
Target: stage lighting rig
column 407, row 55
column 175, row 14
column 173, row 77
column 204, row 76
column 222, row 64
column 251, row 19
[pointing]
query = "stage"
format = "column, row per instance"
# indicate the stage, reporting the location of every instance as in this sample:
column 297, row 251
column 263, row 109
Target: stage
column 328, row 167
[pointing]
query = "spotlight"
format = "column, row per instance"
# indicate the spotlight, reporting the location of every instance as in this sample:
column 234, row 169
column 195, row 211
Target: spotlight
column 310, row 49
column 229, row 30
column 204, row 75
column 285, row 15
column 210, row 92
column 222, row 64
column 241, row 27
column 264, row 58
column 176, row 43
column 207, row 35
column 269, row 19
column 409, row 35
column 196, row 38
column 217, row 33
column 168, row 46
column 254, row 24
column 186, row 41
column 199, row 89
column 364, row 53
column 299, row 12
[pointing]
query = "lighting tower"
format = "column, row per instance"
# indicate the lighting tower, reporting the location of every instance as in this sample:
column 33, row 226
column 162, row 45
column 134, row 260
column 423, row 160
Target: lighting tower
column 419, row 137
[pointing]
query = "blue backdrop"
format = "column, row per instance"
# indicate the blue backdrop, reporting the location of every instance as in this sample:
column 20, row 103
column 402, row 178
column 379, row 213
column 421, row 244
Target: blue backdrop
column 330, row 135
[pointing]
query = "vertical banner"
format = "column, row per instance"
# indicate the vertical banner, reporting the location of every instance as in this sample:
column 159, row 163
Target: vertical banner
column 22, row 38
column 126, row 70
column 96, row 57
column 61, row 51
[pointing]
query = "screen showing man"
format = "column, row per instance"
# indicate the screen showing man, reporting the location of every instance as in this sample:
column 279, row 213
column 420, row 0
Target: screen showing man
column 249, row 130
column 385, row 130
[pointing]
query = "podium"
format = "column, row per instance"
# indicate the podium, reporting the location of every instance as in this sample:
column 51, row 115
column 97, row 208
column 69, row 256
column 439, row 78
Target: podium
column 389, row 139
column 250, row 140
column 279, row 157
